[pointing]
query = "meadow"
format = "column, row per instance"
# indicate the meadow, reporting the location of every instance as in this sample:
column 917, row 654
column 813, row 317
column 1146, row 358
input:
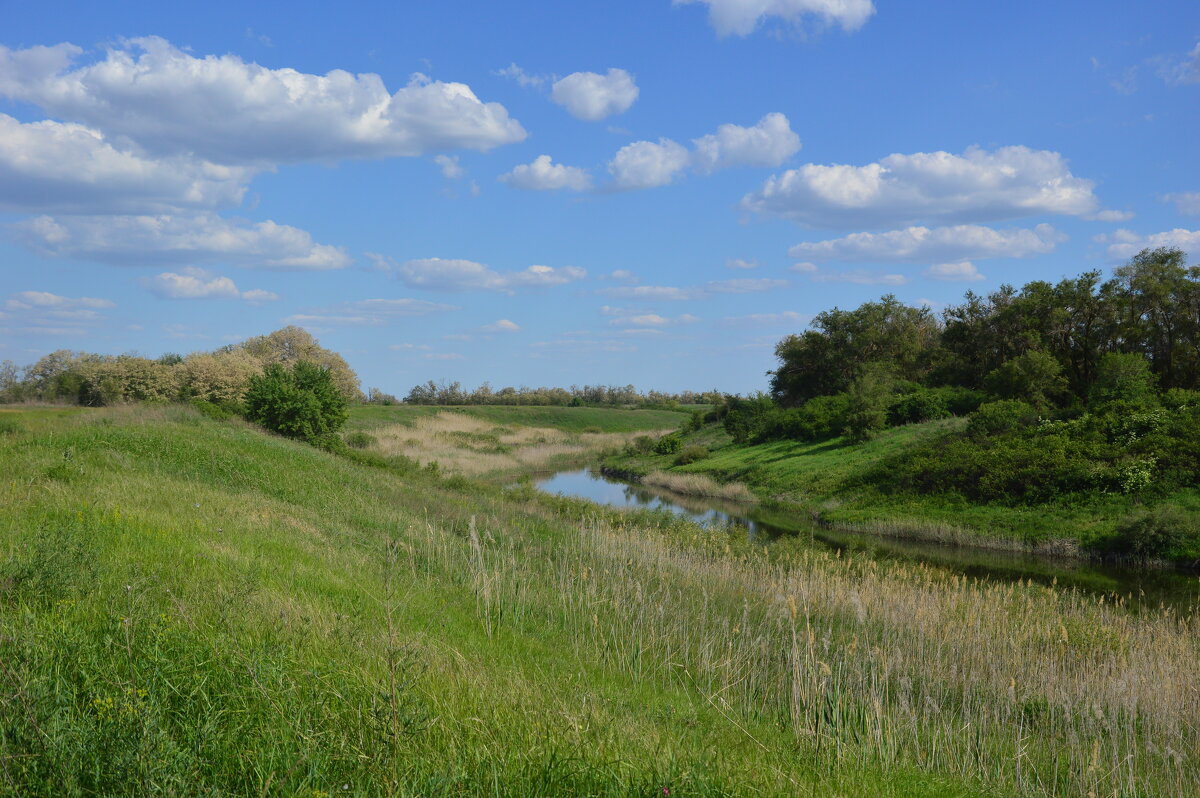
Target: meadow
column 193, row 607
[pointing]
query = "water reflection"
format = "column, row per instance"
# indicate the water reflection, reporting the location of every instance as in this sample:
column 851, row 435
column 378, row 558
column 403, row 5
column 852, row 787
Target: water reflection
column 1142, row 588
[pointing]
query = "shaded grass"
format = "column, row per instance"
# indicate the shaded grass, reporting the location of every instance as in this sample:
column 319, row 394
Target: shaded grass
column 202, row 609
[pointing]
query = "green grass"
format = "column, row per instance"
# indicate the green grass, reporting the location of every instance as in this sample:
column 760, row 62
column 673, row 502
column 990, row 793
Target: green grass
column 568, row 419
column 192, row 607
column 825, row 476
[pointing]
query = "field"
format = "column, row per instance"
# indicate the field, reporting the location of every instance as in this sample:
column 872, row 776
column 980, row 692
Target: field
column 192, row 607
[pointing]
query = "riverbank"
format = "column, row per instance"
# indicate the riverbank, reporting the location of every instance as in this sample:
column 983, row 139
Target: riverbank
column 197, row 606
column 825, row 481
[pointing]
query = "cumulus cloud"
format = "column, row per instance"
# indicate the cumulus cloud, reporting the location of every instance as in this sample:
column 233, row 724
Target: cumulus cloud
column 543, row 175
column 592, row 97
column 770, row 142
column 645, row 164
column 448, row 274
column 1124, row 244
column 939, row 243
column 1187, row 203
column 1006, row 183
column 859, row 277
column 167, row 239
column 69, row 168
column 192, row 282
column 521, row 76
column 367, row 312
column 804, row 267
column 225, row 110
column 501, row 326
column 962, row 271
column 742, row 17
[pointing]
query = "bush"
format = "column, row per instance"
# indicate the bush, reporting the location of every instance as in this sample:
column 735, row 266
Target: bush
column 298, row 402
column 691, row 454
column 668, row 444
column 359, row 439
column 997, row 418
column 695, row 421
column 642, row 444
column 920, row 405
column 1159, row 534
column 216, row 411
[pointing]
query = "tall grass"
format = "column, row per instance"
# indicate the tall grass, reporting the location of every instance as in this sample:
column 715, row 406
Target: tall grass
column 699, row 485
column 190, row 607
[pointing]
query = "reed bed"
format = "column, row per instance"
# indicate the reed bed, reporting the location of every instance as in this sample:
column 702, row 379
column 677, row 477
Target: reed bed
column 699, row 485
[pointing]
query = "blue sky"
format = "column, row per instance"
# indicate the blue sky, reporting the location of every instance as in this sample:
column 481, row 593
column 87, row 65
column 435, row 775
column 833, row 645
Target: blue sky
column 549, row 193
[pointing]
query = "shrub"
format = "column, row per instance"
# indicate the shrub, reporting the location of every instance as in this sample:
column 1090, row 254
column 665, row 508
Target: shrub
column 359, row 439
column 299, row 402
column 642, row 444
column 592, row 431
column 668, row 444
column 213, row 410
column 695, row 421
column 1160, row 533
column 996, row 418
column 691, row 454
column 9, row 426
column 920, row 405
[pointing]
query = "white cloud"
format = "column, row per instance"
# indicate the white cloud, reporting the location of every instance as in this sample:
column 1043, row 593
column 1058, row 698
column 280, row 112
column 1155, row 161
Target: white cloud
column 1182, row 71
column 805, row 267
column 962, row 271
column 44, row 313
column 645, row 164
column 448, row 274
column 622, row 275
column 520, row 75
column 740, row 263
column 501, row 326
column 745, row 285
column 225, row 110
column 26, row 300
column 653, row 320
column 675, row 294
column 543, row 175
column 590, row 96
column 69, row 168
column 768, row 143
column 195, row 283
column 166, row 239
column 787, row 317
column 859, row 277
column 1124, row 244
column 924, row 244
column 1186, row 203
column 1110, row 216
column 444, row 356
column 451, row 170
column 1006, row 183
column 741, row 17
column 368, row 312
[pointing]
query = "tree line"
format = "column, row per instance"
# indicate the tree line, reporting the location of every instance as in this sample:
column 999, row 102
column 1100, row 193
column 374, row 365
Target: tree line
column 432, row 393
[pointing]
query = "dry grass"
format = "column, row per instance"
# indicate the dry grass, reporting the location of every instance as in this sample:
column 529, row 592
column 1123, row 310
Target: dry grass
column 699, row 485
column 462, row 444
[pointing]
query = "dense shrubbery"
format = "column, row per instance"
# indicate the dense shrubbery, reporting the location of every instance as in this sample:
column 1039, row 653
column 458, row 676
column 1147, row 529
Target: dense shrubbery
column 299, row 402
column 218, row 378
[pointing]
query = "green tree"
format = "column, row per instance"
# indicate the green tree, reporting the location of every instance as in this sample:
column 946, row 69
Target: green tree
column 869, row 395
column 1123, row 378
column 301, row 401
column 1034, row 377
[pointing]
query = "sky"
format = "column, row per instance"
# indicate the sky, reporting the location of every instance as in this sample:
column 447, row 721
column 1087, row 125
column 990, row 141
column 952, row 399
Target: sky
column 549, row 193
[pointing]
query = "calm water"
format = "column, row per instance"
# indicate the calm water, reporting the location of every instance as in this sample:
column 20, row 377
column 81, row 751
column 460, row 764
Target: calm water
column 1144, row 588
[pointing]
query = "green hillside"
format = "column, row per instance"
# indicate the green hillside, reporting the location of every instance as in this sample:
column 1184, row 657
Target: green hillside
column 192, row 607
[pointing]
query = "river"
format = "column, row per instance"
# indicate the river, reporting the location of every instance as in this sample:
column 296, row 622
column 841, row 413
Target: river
column 1142, row 588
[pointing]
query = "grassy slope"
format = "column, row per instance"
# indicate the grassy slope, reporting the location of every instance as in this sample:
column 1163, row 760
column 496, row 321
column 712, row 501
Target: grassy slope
column 192, row 607
column 569, row 419
column 822, row 476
